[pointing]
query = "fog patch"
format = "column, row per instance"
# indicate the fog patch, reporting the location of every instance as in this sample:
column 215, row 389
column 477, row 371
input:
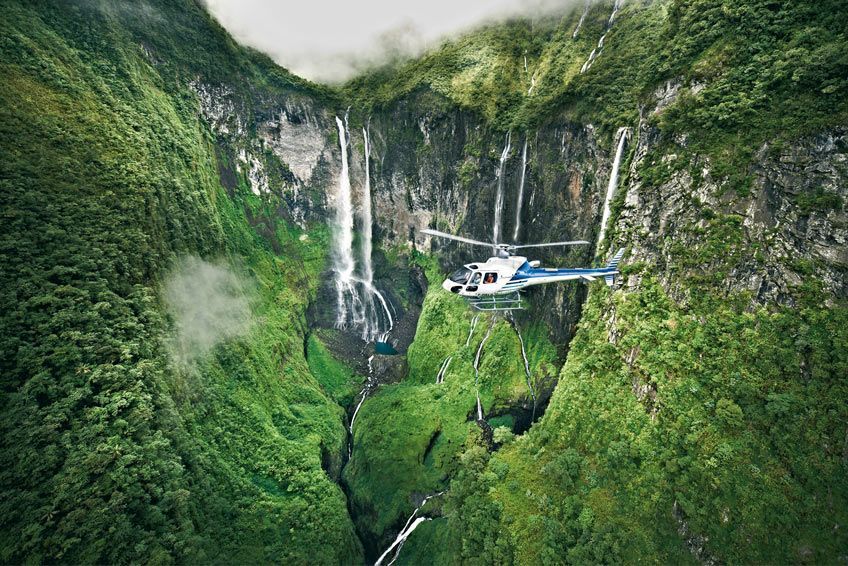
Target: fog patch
column 209, row 304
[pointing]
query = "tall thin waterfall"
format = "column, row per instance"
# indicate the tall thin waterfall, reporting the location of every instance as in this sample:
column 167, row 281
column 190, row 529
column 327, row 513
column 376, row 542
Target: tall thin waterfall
column 613, row 182
column 581, row 20
column 375, row 329
column 520, row 204
column 477, row 369
column 499, row 198
column 372, row 327
column 597, row 50
column 527, row 372
column 349, row 306
column 365, row 244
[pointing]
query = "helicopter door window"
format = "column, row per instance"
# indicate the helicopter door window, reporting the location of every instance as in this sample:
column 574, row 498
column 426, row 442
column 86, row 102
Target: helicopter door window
column 475, row 279
column 490, row 278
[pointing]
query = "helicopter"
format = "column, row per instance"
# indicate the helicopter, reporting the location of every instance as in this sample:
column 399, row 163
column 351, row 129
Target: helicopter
column 493, row 285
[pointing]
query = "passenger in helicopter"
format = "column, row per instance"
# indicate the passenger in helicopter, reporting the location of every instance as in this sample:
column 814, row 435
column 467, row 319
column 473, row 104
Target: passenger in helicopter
column 490, row 278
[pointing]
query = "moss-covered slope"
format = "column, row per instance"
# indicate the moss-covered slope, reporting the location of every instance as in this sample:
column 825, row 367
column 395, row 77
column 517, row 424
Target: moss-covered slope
column 114, row 450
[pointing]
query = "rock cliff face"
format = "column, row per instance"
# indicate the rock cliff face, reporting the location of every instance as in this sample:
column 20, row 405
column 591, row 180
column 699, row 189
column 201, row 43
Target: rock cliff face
column 787, row 226
column 432, row 165
column 437, row 166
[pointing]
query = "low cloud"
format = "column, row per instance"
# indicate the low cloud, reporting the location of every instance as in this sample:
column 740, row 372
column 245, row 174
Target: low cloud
column 208, row 304
column 331, row 41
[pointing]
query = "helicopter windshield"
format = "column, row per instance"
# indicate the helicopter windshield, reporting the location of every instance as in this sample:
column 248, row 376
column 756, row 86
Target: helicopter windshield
column 460, row 275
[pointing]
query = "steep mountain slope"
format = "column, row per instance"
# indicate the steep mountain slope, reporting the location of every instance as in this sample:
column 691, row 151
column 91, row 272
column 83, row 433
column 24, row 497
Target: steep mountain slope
column 156, row 406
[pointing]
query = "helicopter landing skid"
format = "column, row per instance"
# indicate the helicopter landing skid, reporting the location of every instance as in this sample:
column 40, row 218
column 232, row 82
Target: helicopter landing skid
column 497, row 303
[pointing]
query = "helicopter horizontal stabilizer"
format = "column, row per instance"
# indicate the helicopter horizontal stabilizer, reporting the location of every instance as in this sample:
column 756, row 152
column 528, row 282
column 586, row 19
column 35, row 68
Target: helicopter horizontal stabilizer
column 588, row 278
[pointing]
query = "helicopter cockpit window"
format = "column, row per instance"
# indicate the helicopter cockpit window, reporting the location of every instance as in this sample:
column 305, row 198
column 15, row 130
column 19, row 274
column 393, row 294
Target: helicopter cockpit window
column 460, row 275
column 490, row 278
column 475, row 280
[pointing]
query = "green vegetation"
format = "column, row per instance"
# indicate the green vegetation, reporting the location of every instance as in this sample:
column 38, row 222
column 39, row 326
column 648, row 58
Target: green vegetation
column 408, row 436
column 703, row 421
column 336, row 379
column 737, row 432
column 113, row 451
column 762, row 71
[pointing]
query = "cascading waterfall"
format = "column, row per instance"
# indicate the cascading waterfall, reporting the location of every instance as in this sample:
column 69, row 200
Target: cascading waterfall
column 581, row 20
column 613, row 182
column 440, row 377
column 474, row 322
column 349, row 306
column 526, row 369
column 499, row 198
column 372, row 327
column 355, row 294
column 369, row 384
column 411, row 524
column 519, row 205
column 597, row 50
column 477, row 369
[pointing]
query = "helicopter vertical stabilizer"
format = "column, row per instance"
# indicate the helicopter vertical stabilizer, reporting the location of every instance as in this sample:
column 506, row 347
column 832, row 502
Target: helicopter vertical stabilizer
column 613, row 264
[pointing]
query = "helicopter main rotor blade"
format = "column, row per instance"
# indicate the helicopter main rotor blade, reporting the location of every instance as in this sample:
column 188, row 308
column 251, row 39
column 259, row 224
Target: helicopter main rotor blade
column 570, row 243
column 457, row 238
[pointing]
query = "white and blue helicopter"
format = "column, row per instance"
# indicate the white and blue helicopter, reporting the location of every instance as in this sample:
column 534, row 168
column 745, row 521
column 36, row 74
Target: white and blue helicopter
column 494, row 284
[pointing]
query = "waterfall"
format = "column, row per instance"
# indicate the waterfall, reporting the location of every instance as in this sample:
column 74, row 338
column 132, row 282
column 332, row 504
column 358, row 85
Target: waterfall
column 372, row 327
column 369, row 383
column 597, row 51
column 526, row 369
column 440, row 377
column 355, row 294
column 349, row 305
column 372, row 321
column 520, row 202
column 613, row 182
column 477, row 369
column 471, row 330
column 580, row 22
column 411, row 524
column 499, row 198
